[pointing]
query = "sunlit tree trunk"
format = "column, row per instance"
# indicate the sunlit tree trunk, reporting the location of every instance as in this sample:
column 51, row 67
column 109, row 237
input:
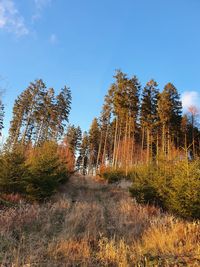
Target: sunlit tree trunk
column 115, row 142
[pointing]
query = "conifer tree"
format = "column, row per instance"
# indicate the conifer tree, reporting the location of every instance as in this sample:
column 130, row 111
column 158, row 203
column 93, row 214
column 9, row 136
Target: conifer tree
column 193, row 113
column 149, row 114
column 184, row 131
column 17, row 120
column 63, row 108
column 104, row 124
column 73, row 138
column 45, row 117
column 83, row 158
column 1, row 116
column 94, row 141
column 39, row 115
column 170, row 113
column 124, row 99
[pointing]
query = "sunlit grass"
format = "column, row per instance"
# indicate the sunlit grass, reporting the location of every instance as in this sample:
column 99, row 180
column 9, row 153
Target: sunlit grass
column 93, row 224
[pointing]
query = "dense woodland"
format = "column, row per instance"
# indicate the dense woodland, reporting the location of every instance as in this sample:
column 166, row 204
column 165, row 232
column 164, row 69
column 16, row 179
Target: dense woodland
column 140, row 125
column 141, row 135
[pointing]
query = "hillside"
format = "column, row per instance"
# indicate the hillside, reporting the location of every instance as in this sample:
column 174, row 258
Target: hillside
column 90, row 223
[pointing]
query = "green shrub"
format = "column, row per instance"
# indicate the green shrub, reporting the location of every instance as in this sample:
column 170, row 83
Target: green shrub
column 172, row 186
column 184, row 194
column 35, row 173
column 45, row 172
column 12, row 170
column 113, row 176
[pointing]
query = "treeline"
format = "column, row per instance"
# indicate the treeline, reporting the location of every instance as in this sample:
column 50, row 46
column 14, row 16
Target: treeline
column 135, row 125
column 35, row 160
column 39, row 115
column 1, row 115
column 139, row 125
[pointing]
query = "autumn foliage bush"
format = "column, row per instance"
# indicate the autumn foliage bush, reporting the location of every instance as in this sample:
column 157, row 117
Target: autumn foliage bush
column 35, row 173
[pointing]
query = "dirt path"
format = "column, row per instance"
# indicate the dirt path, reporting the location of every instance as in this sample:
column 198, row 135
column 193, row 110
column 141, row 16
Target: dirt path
column 106, row 209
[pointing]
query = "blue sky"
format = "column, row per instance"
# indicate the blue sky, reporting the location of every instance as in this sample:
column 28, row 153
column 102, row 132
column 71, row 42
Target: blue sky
column 81, row 42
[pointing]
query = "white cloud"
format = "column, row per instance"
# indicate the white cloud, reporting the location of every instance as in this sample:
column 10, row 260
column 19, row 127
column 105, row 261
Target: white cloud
column 10, row 18
column 53, row 39
column 190, row 98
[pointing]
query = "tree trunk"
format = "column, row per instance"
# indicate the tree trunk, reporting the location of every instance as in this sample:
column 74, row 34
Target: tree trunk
column 105, row 144
column 115, row 142
column 99, row 150
column 118, row 146
column 163, row 139
column 148, row 146
column 157, row 148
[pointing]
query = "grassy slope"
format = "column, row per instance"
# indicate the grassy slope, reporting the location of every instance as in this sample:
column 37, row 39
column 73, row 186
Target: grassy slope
column 93, row 224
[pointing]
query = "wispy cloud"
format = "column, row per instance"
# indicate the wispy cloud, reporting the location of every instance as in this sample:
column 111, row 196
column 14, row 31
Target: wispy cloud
column 53, row 39
column 190, row 98
column 10, row 18
column 39, row 6
column 42, row 3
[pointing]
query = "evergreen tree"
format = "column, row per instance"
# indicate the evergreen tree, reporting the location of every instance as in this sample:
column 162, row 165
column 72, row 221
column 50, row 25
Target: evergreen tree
column 45, row 117
column 124, row 102
column 17, row 120
column 94, row 141
column 170, row 114
column 73, row 138
column 38, row 115
column 12, row 170
column 193, row 113
column 63, row 108
column 83, row 158
column 149, row 115
column 1, row 116
column 104, row 124
column 45, row 171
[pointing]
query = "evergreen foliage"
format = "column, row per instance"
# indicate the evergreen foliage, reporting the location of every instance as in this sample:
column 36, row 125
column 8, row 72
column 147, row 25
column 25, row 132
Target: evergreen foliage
column 35, row 173
column 173, row 187
column 39, row 115
column 45, row 172
column 113, row 176
column 73, row 138
column 83, row 158
column 1, row 116
column 12, row 170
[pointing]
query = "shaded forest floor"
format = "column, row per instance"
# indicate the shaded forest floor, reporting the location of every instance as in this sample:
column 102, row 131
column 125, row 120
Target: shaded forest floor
column 90, row 223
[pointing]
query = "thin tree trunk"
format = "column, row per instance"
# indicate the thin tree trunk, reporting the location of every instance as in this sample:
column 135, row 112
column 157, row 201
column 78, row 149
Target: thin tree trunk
column 148, row 144
column 105, row 144
column 99, row 150
column 163, row 139
column 168, row 144
column 118, row 145
column 128, row 146
column 115, row 142
column 39, row 132
column 142, row 148
column 133, row 143
column 157, row 148
column 125, row 143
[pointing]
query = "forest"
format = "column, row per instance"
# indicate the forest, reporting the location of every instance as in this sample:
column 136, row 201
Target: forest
column 142, row 137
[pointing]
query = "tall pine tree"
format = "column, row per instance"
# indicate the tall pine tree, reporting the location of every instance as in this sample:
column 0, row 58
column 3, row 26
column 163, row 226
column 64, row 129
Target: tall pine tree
column 149, row 116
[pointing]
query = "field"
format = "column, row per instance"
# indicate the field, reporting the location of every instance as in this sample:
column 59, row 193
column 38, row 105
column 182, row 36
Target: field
column 91, row 223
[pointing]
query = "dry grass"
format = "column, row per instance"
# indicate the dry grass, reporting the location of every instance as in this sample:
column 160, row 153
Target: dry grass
column 94, row 224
